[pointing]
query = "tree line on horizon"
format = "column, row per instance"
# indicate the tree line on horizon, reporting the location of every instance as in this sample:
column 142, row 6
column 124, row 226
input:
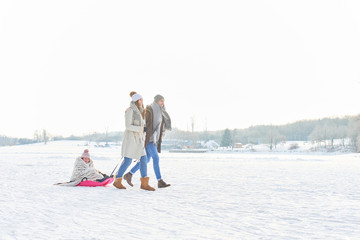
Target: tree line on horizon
column 321, row 132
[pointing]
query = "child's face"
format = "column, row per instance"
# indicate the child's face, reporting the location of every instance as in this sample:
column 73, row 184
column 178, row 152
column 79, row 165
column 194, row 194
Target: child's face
column 86, row 159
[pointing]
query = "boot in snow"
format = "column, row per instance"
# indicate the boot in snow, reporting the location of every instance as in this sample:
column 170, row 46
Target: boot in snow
column 128, row 177
column 118, row 184
column 145, row 184
column 163, row 184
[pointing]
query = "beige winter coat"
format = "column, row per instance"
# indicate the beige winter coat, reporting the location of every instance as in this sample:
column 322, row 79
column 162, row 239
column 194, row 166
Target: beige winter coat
column 133, row 145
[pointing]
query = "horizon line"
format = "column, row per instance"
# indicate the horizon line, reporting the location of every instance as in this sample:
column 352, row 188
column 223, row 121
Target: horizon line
column 197, row 131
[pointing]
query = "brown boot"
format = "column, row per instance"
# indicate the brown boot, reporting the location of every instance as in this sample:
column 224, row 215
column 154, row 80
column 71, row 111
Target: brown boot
column 128, row 177
column 163, row 184
column 145, row 184
column 118, row 184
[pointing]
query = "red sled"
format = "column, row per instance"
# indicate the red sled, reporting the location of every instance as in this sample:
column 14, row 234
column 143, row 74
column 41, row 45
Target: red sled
column 88, row 183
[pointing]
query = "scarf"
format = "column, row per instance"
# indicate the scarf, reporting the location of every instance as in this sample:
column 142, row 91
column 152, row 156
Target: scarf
column 158, row 114
column 138, row 115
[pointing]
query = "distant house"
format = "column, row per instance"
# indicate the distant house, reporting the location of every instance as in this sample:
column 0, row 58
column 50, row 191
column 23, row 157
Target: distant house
column 238, row 145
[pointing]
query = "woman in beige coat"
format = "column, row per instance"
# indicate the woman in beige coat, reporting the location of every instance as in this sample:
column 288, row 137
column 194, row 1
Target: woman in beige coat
column 133, row 145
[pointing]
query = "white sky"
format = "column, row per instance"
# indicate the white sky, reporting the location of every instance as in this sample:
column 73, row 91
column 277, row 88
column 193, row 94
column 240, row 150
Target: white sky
column 68, row 66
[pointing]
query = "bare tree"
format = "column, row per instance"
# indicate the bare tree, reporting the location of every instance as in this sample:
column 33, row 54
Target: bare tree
column 192, row 119
column 317, row 135
column 37, row 136
column 45, row 136
column 273, row 137
column 354, row 132
column 107, row 135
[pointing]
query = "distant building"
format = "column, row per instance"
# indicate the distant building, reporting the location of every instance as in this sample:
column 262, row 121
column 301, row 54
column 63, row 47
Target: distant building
column 238, row 145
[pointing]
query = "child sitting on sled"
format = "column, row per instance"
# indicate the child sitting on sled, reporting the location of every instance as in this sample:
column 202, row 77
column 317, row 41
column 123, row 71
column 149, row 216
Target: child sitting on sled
column 84, row 170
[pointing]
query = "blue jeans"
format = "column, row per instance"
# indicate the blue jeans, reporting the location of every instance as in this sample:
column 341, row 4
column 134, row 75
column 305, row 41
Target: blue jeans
column 126, row 163
column 151, row 152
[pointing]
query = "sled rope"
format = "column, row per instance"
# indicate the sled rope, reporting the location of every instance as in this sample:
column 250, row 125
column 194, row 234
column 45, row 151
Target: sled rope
column 111, row 175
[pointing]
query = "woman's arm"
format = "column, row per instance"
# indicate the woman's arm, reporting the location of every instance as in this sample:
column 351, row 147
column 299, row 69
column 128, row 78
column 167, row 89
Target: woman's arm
column 128, row 122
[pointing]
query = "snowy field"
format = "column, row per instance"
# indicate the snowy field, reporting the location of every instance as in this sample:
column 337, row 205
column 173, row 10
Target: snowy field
column 213, row 196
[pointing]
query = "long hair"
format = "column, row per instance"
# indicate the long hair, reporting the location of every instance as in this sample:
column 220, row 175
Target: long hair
column 138, row 105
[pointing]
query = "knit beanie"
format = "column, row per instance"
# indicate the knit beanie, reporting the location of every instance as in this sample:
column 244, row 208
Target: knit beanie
column 85, row 154
column 135, row 96
column 158, row 98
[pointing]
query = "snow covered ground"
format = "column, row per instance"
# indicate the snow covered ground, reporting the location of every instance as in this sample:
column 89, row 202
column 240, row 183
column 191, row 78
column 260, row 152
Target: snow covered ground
column 339, row 146
column 213, row 196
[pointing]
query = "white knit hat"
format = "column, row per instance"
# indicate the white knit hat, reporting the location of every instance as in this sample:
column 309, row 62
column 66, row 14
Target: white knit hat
column 136, row 97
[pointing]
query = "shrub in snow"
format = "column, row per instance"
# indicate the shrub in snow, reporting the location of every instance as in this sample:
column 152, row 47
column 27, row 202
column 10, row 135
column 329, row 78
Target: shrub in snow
column 294, row 146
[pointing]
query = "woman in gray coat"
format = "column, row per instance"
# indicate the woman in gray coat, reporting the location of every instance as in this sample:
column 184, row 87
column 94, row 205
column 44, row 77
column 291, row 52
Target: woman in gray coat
column 133, row 145
column 157, row 121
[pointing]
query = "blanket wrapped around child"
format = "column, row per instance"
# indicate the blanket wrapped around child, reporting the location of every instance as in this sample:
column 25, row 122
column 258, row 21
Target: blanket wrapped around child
column 84, row 170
